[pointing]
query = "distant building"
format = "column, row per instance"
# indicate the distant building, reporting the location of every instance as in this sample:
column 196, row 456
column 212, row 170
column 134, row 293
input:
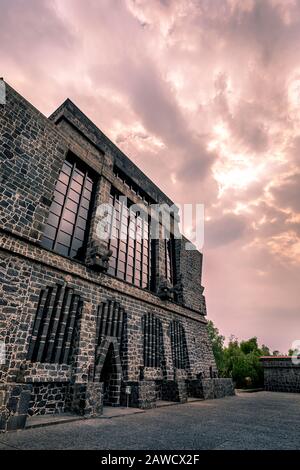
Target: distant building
column 83, row 319
column 281, row 374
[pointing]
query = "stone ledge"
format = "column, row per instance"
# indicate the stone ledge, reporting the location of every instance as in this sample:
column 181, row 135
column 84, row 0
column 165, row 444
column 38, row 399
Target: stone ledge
column 39, row 421
column 32, row 252
column 44, row 372
column 209, row 389
column 278, row 362
column 152, row 373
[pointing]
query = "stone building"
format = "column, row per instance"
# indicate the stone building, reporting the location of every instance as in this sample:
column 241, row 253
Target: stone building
column 281, row 374
column 86, row 319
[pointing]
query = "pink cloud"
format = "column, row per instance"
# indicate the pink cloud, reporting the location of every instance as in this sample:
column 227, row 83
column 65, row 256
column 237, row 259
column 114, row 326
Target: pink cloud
column 205, row 98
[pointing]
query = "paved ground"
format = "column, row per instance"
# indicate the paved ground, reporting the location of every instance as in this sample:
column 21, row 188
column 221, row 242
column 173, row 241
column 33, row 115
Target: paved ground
column 259, row 420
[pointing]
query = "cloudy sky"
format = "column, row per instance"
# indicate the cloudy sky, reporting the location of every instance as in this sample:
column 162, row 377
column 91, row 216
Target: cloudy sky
column 204, row 96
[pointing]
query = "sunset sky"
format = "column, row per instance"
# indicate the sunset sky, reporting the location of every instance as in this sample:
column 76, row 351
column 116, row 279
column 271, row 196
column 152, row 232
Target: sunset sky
column 204, row 96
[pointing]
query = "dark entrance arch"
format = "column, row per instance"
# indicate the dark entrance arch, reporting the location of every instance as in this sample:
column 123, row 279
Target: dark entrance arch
column 109, row 371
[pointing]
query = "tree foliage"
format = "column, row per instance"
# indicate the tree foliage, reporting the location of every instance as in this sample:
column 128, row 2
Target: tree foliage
column 217, row 342
column 239, row 360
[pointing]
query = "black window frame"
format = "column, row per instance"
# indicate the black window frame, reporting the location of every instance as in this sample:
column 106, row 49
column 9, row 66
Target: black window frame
column 130, row 255
column 76, row 199
column 170, row 261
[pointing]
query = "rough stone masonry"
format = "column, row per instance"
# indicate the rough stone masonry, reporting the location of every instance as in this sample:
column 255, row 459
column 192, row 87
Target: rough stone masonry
column 88, row 323
column 281, row 374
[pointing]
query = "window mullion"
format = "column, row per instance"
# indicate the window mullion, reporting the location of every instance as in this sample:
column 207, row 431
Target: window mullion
column 149, row 253
column 134, row 252
column 119, row 238
column 63, row 207
column 111, row 222
column 78, row 209
column 127, row 245
column 142, row 252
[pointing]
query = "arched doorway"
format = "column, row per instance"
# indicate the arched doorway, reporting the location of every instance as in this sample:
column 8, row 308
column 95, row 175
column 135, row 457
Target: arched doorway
column 109, row 378
column 109, row 371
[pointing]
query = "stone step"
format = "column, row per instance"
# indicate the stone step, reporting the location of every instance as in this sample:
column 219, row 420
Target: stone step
column 160, row 403
column 118, row 411
column 109, row 412
column 38, row 421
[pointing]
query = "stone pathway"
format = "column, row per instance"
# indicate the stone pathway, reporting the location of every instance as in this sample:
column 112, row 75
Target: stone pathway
column 261, row 420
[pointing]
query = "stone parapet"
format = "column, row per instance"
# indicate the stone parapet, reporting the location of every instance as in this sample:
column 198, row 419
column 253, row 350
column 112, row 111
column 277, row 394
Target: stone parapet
column 281, row 374
column 209, row 389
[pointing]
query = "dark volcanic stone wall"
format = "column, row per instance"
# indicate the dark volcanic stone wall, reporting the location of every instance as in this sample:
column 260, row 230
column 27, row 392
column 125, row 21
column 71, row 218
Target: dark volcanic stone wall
column 48, row 398
column 281, row 375
column 31, row 154
column 37, row 275
column 32, row 151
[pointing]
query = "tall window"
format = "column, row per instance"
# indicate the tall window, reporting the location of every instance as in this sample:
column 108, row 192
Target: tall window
column 110, row 320
column 67, row 224
column 179, row 346
column 129, row 242
column 55, row 326
column 153, row 340
column 135, row 188
column 170, row 260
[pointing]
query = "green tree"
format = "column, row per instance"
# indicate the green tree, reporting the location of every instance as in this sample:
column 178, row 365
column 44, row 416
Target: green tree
column 265, row 351
column 276, row 353
column 217, row 342
column 242, row 363
column 249, row 346
column 239, row 360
